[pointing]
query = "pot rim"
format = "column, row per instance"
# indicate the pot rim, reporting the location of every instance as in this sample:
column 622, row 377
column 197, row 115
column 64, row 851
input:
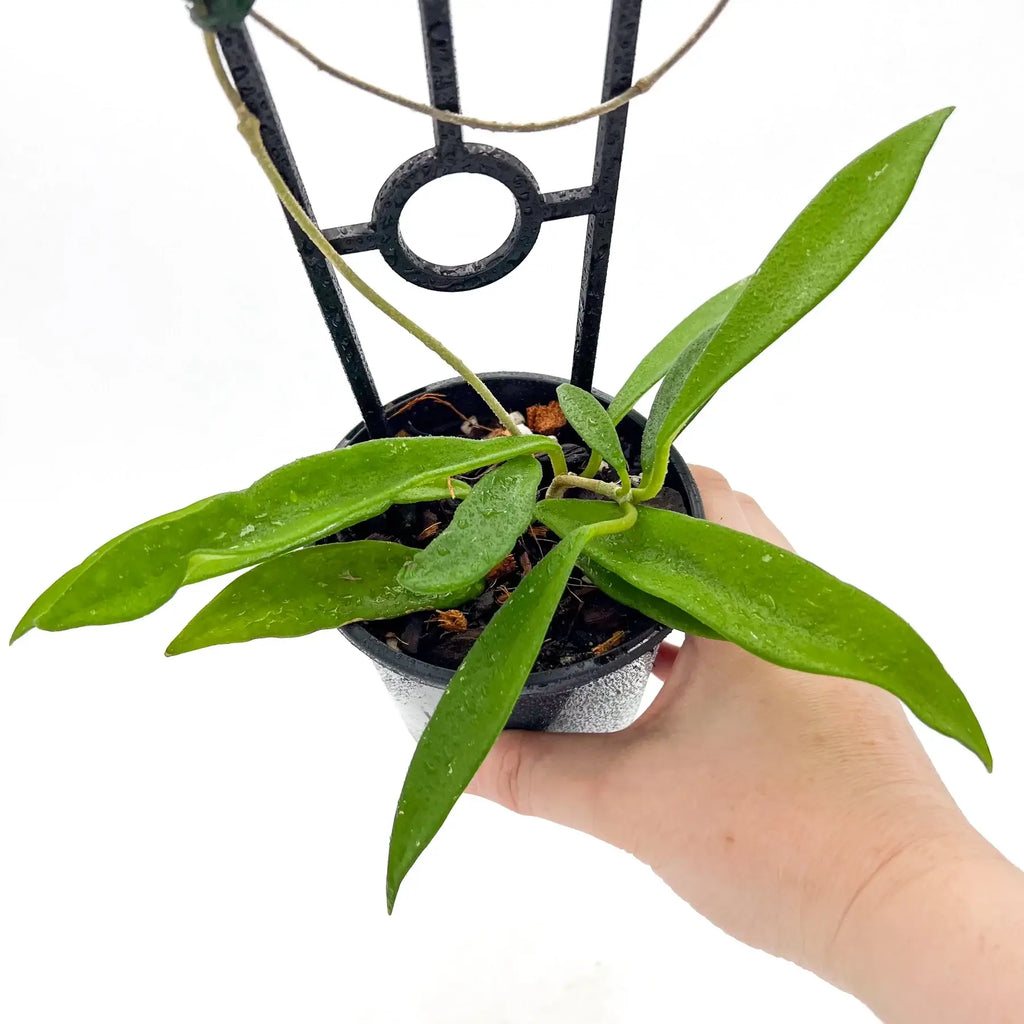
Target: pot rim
column 550, row 680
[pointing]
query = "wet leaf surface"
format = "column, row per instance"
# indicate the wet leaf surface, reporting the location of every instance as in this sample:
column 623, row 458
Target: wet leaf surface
column 320, row 587
column 776, row 605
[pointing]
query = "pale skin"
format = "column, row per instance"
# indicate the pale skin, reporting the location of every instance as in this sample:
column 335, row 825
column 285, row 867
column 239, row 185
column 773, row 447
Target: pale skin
column 801, row 814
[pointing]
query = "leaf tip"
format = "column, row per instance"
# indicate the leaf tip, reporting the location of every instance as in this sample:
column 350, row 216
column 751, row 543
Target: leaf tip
column 937, row 118
column 21, row 628
column 967, row 731
column 394, row 882
column 973, row 738
column 985, row 754
column 179, row 645
column 399, row 859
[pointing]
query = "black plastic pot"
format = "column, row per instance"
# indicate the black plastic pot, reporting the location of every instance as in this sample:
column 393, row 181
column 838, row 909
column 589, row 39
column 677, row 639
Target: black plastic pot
column 601, row 694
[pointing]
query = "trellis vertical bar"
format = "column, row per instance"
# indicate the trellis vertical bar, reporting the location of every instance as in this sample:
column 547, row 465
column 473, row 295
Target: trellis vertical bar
column 451, row 154
column 248, row 76
column 439, row 51
column 611, row 134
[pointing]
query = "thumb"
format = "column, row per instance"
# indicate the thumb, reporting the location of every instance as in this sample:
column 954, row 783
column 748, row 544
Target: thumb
column 564, row 777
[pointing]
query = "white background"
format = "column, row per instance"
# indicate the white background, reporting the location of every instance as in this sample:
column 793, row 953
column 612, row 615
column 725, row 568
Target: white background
column 204, row 838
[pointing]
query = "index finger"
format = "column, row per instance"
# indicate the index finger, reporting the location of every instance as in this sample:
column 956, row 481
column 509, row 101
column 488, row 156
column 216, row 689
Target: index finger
column 734, row 509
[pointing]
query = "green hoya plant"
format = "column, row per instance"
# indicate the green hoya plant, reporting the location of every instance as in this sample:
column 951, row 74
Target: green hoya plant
column 683, row 572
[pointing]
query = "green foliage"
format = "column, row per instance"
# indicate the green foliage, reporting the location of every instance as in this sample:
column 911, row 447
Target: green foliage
column 589, row 418
column 308, row 499
column 217, row 14
column 475, row 707
column 319, row 587
column 633, row 597
column 654, row 452
column 819, row 249
column 436, row 490
column 685, row 573
column 776, row 605
column 483, row 531
column 656, row 363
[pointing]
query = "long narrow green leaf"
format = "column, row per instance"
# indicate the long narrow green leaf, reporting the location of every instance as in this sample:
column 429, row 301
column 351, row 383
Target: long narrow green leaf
column 319, row 587
column 138, row 571
column 663, row 406
column 475, row 707
column 776, row 605
column 819, row 249
column 656, row 363
column 633, row 597
column 483, row 531
column 435, row 490
column 590, row 419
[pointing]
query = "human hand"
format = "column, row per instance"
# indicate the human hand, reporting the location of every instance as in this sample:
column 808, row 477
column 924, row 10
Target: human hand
column 783, row 806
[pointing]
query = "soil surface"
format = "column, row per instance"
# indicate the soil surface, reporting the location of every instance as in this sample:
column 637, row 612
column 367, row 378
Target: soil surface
column 587, row 625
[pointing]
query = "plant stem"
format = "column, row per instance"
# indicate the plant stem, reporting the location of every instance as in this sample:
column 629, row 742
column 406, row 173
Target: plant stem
column 650, row 488
column 249, row 127
column 620, row 525
column 593, row 465
column 566, row 481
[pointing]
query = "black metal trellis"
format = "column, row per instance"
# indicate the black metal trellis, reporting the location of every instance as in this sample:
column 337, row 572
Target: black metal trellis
column 451, row 155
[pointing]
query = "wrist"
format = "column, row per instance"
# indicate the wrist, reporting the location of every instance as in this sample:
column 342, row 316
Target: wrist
column 936, row 932
column 909, row 869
